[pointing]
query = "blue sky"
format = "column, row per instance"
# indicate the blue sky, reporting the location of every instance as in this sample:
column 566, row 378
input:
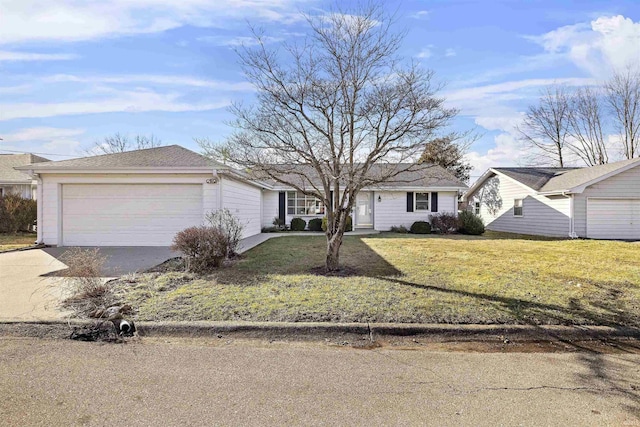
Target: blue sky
column 72, row 72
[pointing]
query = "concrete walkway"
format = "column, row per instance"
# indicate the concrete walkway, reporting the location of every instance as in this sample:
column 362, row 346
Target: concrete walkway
column 24, row 293
column 253, row 241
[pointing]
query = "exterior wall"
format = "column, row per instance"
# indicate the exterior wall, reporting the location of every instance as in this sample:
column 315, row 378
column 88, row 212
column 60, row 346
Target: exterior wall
column 49, row 220
column 245, row 202
column 391, row 210
column 622, row 185
column 545, row 216
column 269, row 207
column 25, row 190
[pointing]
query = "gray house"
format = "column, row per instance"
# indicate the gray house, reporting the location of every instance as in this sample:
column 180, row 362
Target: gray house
column 14, row 181
column 599, row 202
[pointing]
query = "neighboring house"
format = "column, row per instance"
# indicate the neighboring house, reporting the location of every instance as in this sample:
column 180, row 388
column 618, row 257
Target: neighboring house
column 14, row 181
column 144, row 197
column 599, row 202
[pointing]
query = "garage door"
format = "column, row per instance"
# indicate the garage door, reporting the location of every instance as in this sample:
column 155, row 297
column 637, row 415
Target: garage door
column 128, row 215
column 613, row 218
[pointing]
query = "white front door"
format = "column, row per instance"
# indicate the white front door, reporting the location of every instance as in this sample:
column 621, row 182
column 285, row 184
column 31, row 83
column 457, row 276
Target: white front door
column 364, row 214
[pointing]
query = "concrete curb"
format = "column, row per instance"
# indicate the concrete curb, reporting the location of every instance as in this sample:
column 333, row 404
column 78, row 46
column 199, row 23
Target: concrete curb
column 26, row 248
column 340, row 331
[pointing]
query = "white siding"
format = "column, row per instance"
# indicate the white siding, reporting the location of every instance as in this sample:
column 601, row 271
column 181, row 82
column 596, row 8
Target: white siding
column 622, row 185
column 545, row 216
column 245, row 202
column 270, row 200
column 391, row 210
column 50, row 223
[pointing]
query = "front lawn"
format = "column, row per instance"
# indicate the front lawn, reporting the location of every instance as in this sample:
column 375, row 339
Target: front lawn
column 405, row 278
column 16, row 241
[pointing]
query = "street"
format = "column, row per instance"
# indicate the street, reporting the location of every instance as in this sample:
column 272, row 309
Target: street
column 234, row 382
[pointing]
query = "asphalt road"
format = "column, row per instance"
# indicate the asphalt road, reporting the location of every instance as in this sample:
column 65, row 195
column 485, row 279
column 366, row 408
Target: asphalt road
column 232, row 382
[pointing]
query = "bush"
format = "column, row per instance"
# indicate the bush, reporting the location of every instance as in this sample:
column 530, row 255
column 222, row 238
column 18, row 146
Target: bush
column 17, row 213
column 315, row 224
column 348, row 225
column 420, row 227
column 398, row 229
column 470, row 223
column 229, row 225
column 278, row 222
column 445, row 223
column 270, row 229
column 204, row 247
column 298, row 224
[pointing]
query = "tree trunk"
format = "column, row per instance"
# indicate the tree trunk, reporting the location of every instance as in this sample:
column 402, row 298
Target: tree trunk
column 333, row 252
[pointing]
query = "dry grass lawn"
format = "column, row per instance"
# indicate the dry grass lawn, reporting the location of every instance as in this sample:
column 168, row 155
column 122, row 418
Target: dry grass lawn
column 495, row 278
column 16, row 241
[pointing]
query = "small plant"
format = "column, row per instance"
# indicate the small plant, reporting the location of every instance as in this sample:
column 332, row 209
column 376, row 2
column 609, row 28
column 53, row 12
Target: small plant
column 420, row 227
column 348, row 225
column 204, row 247
column 399, row 229
column 315, row 224
column 445, row 223
column 470, row 223
column 278, row 222
column 298, row 224
column 17, row 213
column 229, row 225
column 270, row 229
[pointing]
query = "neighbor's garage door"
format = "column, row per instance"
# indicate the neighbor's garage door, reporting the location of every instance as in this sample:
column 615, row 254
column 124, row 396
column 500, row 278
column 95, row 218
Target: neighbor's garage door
column 613, row 218
column 129, row 214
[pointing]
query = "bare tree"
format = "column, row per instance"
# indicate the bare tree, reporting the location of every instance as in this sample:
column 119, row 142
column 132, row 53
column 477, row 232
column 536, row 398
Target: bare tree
column 623, row 96
column 335, row 113
column 585, row 126
column 546, row 126
column 118, row 143
column 449, row 152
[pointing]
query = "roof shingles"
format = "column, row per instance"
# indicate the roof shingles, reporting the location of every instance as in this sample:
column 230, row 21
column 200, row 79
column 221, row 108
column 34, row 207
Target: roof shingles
column 10, row 161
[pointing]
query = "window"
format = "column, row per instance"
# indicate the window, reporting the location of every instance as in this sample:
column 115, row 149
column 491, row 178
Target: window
column 476, row 208
column 517, row 207
column 422, row 201
column 300, row 204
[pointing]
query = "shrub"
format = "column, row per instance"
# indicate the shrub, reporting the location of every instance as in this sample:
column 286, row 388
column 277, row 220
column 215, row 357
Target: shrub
column 315, row 224
column 420, row 227
column 398, row 229
column 270, row 229
column 445, row 223
column 204, row 247
column 298, row 224
column 17, row 213
column 348, row 225
column 278, row 222
column 229, row 225
column 470, row 223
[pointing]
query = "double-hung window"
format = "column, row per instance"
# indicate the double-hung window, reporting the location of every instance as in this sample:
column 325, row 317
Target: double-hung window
column 517, row 207
column 422, row 201
column 476, row 208
column 301, row 204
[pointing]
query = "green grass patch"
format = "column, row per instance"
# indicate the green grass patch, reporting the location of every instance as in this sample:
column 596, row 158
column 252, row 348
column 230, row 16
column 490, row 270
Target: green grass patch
column 402, row 278
column 16, row 241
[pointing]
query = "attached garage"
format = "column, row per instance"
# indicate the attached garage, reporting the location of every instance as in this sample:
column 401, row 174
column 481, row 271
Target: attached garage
column 128, row 214
column 611, row 218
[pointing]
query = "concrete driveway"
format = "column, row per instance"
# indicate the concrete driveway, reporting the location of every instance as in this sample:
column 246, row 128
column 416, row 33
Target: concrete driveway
column 126, row 259
column 30, row 290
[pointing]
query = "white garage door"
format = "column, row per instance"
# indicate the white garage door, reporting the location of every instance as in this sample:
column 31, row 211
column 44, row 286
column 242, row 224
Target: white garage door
column 128, row 214
column 613, row 218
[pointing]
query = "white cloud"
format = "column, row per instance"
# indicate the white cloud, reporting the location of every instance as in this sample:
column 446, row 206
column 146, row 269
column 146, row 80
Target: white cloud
column 239, row 41
column 42, row 134
column 6, row 55
column 425, row 53
column 450, row 52
column 48, row 141
column 607, row 43
column 421, row 14
column 169, row 80
column 506, row 152
column 71, row 20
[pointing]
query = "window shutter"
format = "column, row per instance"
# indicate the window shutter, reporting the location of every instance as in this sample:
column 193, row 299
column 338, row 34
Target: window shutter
column 282, row 207
column 410, row 201
column 331, row 198
column 434, row 202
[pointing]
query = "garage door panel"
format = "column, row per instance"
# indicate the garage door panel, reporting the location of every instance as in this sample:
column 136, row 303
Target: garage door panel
column 613, row 218
column 128, row 215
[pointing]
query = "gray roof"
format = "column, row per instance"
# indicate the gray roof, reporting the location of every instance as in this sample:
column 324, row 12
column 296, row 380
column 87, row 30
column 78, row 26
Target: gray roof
column 10, row 161
column 410, row 175
column 549, row 180
column 171, row 156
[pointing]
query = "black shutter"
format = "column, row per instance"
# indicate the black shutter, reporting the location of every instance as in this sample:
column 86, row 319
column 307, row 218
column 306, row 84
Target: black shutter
column 434, row 202
column 282, row 207
column 331, row 198
column 410, row 201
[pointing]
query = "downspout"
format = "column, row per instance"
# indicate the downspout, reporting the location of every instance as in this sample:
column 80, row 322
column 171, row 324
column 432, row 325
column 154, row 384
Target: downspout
column 572, row 229
column 39, row 201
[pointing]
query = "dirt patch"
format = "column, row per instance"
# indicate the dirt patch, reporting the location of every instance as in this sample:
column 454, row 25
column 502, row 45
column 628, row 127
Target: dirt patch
column 345, row 271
